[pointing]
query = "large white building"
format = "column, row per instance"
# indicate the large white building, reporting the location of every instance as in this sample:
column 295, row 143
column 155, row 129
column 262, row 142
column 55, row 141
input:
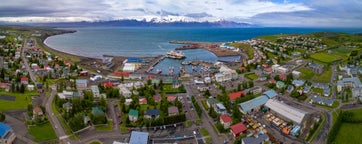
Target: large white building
column 226, row 74
column 95, row 91
column 286, row 111
column 352, row 82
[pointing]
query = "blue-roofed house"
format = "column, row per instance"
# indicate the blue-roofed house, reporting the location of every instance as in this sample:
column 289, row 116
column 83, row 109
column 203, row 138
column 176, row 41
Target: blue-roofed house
column 134, row 60
column 7, row 135
column 306, row 89
column 295, row 131
column 280, row 84
column 321, row 101
column 97, row 111
column 253, row 104
column 220, row 108
column 260, row 139
column 326, row 92
column 81, row 83
column 152, row 113
column 138, row 138
column 290, row 88
column 270, row 94
column 298, row 83
column 352, row 82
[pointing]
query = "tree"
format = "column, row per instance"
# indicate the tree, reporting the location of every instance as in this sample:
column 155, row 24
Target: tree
column 2, row 116
column 22, row 88
column 76, row 123
column 212, row 112
column 236, row 114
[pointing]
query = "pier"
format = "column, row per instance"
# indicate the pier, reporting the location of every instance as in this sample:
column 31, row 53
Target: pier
column 155, row 62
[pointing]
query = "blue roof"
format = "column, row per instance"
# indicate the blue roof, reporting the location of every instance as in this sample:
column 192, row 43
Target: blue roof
column 322, row 100
column 134, row 60
column 254, row 140
column 138, row 138
column 354, row 80
column 97, row 110
column 153, row 112
column 220, row 106
column 270, row 94
column 254, row 103
column 4, row 129
column 295, row 130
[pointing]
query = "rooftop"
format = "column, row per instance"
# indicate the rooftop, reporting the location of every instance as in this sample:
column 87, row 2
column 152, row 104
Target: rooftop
column 251, row 104
column 4, row 129
column 287, row 111
column 225, row 118
column 138, row 137
column 133, row 112
column 153, row 112
column 270, row 93
column 238, row 128
column 236, row 95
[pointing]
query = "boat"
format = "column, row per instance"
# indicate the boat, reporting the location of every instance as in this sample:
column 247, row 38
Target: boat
column 159, row 71
column 176, row 55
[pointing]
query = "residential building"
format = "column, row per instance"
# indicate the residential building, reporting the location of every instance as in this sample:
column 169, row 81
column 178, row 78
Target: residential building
column 7, row 135
column 133, row 115
column 237, row 129
column 357, row 93
column 270, row 94
column 124, row 91
column 259, row 139
column 152, row 113
column 254, row 104
column 173, row 110
column 220, row 108
column 280, row 84
column 67, row 106
column 286, row 111
column 290, row 88
column 138, row 138
column 298, row 83
column 24, row 80
column 225, row 120
column 171, row 98
column 317, row 68
column 256, row 90
column 37, row 113
column 236, row 95
column 97, row 111
column 95, row 91
column 321, row 101
column 81, row 83
column 306, row 89
column 353, row 82
column 210, row 102
column 296, row 74
column 65, row 94
column 30, row 87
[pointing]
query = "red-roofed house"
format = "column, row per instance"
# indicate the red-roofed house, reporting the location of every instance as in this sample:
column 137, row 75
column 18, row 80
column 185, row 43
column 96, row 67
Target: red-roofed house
column 268, row 70
column 24, row 80
column 225, row 120
column 236, row 95
column 157, row 98
column 143, row 101
column 151, row 77
column 171, row 98
column 265, row 65
column 272, row 81
column 83, row 73
column 108, row 84
column 242, row 68
column 283, row 76
column 237, row 129
column 3, row 85
column 121, row 74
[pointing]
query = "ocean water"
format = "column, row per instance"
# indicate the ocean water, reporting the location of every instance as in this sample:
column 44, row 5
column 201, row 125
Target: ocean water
column 145, row 41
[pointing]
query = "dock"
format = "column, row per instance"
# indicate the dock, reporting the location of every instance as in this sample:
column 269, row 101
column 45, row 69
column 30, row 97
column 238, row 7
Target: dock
column 155, row 62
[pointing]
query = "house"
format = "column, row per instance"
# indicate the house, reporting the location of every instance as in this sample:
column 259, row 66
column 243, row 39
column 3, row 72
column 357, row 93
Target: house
column 260, row 139
column 256, row 90
column 65, row 94
column 97, row 111
column 124, row 91
column 220, row 108
column 138, row 138
column 254, row 104
column 171, row 98
column 282, row 77
column 268, row 70
column 24, row 80
column 306, row 89
column 298, row 83
column 142, row 101
column 107, row 84
column 152, row 113
column 81, row 83
column 173, row 110
column 133, row 115
column 157, row 98
column 321, row 101
column 95, row 91
column 296, row 74
column 290, row 88
column 67, row 106
column 317, row 68
column 280, row 84
column 155, row 82
column 237, row 129
column 236, row 95
column 225, row 120
column 210, row 102
column 7, row 135
column 37, row 113
column 353, row 82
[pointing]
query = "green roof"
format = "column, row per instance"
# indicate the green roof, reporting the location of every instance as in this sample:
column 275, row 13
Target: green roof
column 97, row 111
column 168, row 80
column 133, row 112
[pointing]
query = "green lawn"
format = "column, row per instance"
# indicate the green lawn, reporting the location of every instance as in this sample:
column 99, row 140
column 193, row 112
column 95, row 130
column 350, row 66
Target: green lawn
column 250, row 51
column 349, row 133
column 271, row 38
column 108, row 127
column 306, row 73
column 187, row 123
column 21, row 101
column 95, row 142
column 357, row 113
column 251, row 76
column 203, row 102
column 204, row 132
column 324, row 57
column 168, row 89
column 208, row 139
column 42, row 132
column 318, row 90
column 325, row 77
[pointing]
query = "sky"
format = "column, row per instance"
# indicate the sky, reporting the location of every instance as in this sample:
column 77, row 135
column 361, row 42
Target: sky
column 297, row 13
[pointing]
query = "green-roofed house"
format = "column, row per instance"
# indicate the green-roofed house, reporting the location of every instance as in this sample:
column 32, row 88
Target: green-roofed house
column 155, row 82
column 133, row 115
column 168, row 80
column 96, row 111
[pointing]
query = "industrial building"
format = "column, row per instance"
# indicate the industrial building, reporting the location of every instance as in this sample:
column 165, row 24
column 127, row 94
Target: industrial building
column 286, row 111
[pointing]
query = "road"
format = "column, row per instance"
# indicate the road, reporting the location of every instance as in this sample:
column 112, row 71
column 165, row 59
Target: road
column 26, row 64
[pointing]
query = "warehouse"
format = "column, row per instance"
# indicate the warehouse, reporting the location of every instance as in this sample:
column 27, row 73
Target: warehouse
column 286, row 111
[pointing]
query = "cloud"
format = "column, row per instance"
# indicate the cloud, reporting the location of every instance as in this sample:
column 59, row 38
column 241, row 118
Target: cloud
column 265, row 12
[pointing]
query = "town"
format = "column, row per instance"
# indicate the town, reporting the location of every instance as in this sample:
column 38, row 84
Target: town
column 284, row 89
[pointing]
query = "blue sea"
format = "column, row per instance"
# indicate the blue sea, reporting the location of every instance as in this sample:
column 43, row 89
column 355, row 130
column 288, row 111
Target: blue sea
column 145, row 41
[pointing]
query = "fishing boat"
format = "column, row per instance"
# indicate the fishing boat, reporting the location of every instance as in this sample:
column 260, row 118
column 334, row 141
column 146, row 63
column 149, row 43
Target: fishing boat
column 176, row 55
column 159, row 71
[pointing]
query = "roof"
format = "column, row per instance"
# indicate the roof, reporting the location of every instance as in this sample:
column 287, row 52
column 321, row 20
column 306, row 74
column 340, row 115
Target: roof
column 172, row 110
column 120, row 74
column 322, row 100
column 268, row 69
column 220, row 106
column 37, row 110
column 298, row 82
column 24, row 79
column 134, row 60
column 133, row 112
column 236, row 95
column 238, row 128
column 270, row 93
column 97, row 111
column 138, row 137
column 81, row 81
column 282, row 76
column 67, row 104
column 254, row 103
column 153, row 112
column 225, row 118
column 255, row 140
column 287, row 111
column 171, row 98
column 355, row 80
column 108, row 84
column 156, row 98
column 4, row 129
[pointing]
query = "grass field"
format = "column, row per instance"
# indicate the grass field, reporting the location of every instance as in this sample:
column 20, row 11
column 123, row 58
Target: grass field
column 325, row 77
column 349, row 134
column 251, row 76
column 108, row 127
column 204, row 132
column 324, row 57
column 250, row 51
column 21, row 101
column 272, row 38
column 42, row 132
column 357, row 113
column 306, row 73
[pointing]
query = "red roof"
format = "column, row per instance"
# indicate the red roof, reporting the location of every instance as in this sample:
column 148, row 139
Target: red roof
column 272, row 81
column 236, row 95
column 238, row 128
column 120, row 74
column 3, row 85
column 157, row 98
column 225, row 118
column 268, row 69
column 108, row 84
column 171, row 98
column 151, row 77
column 265, row 65
column 24, row 79
column 143, row 100
column 242, row 68
column 282, row 76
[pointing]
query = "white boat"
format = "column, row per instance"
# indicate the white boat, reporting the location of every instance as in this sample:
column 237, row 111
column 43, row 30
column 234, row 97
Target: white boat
column 175, row 54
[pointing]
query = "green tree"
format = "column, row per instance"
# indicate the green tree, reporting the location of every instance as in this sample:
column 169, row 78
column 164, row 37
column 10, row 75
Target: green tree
column 2, row 116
